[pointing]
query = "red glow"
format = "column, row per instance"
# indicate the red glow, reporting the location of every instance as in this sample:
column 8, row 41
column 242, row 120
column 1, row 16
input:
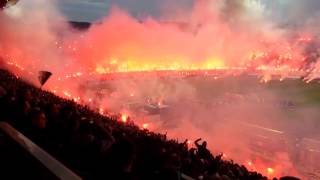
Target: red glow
column 124, row 118
column 270, row 171
column 145, row 126
column 224, row 155
column 101, row 111
column 188, row 142
column 67, row 94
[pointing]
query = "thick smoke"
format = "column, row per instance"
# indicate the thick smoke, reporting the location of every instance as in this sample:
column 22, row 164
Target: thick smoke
column 213, row 36
column 30, row 39
column 238, row 116
column 228, row 112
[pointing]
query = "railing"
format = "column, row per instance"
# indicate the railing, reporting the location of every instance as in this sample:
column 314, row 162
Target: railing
column 57, row 168
column 185, row 177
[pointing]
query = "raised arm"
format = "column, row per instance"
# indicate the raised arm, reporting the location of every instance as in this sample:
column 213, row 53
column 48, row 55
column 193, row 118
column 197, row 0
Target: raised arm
column 197, row 142
column 185, row 141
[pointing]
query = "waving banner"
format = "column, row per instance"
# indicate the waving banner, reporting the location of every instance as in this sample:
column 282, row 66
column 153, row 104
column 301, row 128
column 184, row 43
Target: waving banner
column 44, row 76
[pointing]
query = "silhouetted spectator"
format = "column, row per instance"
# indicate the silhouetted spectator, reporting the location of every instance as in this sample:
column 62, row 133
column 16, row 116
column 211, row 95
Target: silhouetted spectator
column 289, row 178
column 38, row 119
column 203, row 152
column 119, row 160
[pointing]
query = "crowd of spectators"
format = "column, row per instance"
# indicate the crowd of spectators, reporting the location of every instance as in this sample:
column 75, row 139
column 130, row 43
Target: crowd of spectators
column 101, row 147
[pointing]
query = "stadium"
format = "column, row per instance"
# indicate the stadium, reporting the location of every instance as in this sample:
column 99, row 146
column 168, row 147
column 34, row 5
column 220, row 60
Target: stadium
column 175, row 90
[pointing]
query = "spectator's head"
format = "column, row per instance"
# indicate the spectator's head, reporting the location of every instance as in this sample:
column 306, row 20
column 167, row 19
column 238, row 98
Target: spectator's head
column 26, row 107
column 122, row 155
column 88, row 138
column 3, row 92
column 38, row 119
column 204, row 144
column 27, row 95
column 289, row 178
column 54, row 109
column 66, row 112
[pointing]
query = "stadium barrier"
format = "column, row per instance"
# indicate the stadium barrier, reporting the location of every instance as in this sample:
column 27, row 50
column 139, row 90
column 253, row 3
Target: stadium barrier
column 53, row 165
column 185, row 177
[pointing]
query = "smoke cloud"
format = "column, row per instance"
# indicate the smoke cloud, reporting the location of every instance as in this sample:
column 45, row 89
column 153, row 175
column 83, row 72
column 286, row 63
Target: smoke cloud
column 234, row 114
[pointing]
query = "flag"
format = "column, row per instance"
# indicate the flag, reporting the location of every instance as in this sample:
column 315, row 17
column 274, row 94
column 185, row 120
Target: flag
column 44, row 76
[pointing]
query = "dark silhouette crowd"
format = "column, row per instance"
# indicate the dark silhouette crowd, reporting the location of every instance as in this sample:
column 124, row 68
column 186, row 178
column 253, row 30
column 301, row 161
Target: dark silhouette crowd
column 102, row 147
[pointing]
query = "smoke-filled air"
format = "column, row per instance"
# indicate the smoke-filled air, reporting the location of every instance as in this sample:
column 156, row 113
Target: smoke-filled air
column 241, row 75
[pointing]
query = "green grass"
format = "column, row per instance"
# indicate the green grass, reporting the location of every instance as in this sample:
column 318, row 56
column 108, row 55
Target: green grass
column 295, row 90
